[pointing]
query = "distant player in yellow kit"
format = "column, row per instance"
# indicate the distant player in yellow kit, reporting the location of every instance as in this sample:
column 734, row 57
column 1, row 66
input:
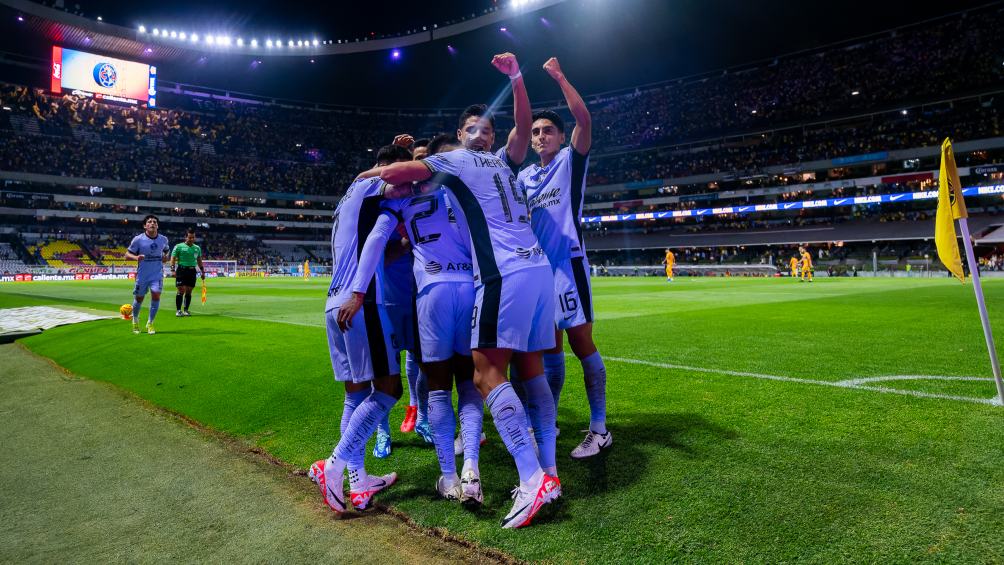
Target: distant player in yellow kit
column 794, row 267
column 806, row 265
column 669, row 261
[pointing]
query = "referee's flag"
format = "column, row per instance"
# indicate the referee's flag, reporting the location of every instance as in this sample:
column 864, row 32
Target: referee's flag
column 203, row 291
column 951, row 207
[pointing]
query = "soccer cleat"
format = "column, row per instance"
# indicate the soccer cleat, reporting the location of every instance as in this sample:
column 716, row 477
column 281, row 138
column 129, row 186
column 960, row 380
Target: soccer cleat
column 410, row 413
column 361, row 498
column 178, row 314
column 186, row 313
column 470, row 488
column 448, row 490
column 149, row 329
column 382, row 447
column 458, row 444
column 592, row 444
column 527, row 502
column 334, row 496
column 425, row 430
column 135, row 327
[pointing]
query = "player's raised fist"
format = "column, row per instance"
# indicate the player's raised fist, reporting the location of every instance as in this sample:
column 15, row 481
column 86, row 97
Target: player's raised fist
column 404, row 140
column 506, row 63
column 553, row 68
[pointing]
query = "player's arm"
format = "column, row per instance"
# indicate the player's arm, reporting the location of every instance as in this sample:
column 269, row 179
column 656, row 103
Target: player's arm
column 582, row 134
column 369, row 258
column 166, row 257
column 519, row 137
column 132, row 255
column 404, row 173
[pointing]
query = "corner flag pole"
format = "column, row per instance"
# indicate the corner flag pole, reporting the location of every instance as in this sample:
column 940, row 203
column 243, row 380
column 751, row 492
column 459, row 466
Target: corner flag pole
column 978, row 289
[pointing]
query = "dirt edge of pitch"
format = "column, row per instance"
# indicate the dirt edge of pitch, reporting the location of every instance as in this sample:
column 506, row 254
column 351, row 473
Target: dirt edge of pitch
column 480, row 553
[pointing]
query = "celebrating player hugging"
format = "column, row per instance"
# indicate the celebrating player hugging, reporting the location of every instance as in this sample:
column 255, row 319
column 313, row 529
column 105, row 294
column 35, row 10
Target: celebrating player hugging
column 500, row 274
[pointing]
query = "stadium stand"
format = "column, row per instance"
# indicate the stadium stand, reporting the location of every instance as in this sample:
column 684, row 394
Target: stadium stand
column 260, row 179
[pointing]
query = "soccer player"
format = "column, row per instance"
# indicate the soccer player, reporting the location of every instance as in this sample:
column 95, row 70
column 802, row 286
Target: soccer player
column 184, row 257
column 444, row 306
column 669, row 261
column 399, row 301
column 793, row 264
column 362, row 352
column 514, row 288
column 806, row 264
column 149, row 249
column 555, row 191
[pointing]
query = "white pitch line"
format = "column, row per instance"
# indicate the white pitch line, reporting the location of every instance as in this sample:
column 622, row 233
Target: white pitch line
column 838, row 384
column 865, row 380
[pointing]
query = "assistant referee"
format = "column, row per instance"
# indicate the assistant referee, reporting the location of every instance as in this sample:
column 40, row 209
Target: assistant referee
column 184, row 257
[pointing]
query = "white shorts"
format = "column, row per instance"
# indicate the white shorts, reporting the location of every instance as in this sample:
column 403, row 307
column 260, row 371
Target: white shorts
column 144, row 285
column 515, row 311
column 365, row 350
column 444, row 314
column 573, row 295
column 402, row 323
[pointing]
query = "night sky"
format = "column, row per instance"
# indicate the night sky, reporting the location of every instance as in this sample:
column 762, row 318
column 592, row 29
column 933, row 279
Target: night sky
column 603, row 44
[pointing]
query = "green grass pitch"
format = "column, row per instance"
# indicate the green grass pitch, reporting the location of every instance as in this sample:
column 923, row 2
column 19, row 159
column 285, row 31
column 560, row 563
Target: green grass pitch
column 750, row 422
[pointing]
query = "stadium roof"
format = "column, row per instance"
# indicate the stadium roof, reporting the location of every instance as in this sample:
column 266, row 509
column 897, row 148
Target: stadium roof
column 603, row 44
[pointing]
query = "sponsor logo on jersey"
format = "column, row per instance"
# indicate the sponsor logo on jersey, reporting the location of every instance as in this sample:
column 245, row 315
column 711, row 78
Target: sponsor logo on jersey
column 433, row 267
column 525, row 253
column 546, row 198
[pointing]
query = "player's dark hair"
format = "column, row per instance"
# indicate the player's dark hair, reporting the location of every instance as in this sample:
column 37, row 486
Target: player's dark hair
column 443, row 142
column 148, row 216
column 479, row 110
column 190, row 230
column 392, row 154
column 424, row 142
column 552, row 116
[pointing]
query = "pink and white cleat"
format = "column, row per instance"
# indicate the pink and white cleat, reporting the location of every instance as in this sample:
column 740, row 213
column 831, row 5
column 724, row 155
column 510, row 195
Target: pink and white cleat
column 361, row 497
column 332, row 489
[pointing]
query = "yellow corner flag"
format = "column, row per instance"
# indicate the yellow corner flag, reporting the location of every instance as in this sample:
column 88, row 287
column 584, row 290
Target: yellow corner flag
column 951, row 207
column 203, row 291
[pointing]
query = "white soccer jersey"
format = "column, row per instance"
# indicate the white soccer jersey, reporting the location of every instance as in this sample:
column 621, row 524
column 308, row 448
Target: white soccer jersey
column 441, row 247
column 355, row 216
column 556, row 194
column 494, row 207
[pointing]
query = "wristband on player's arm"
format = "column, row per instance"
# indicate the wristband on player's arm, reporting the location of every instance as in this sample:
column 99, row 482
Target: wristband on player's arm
column 518, row 74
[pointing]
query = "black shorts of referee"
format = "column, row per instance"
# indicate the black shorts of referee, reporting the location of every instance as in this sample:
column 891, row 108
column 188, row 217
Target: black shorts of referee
column 184, row 276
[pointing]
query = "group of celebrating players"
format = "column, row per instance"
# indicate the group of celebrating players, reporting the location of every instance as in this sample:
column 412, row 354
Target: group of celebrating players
column 500, row 274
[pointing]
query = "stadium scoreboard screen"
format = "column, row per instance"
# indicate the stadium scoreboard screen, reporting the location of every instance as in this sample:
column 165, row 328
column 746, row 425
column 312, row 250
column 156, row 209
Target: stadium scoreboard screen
column 103, row 78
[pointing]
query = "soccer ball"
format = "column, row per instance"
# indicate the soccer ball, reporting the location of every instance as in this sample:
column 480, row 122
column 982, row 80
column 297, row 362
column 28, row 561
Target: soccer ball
column 126, row 311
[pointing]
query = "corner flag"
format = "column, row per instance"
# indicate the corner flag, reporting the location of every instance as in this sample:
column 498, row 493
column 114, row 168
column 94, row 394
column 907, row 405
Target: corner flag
column 203, row 291
column 951, row 207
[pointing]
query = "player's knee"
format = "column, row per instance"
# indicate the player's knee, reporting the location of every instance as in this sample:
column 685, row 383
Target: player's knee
column 580, row 338
column 390, row 386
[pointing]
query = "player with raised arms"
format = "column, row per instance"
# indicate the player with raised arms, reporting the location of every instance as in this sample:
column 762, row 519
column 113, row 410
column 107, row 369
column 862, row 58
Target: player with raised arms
column 149, row 249
column 556, row 190
column 363, row 355
column 514, row 302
